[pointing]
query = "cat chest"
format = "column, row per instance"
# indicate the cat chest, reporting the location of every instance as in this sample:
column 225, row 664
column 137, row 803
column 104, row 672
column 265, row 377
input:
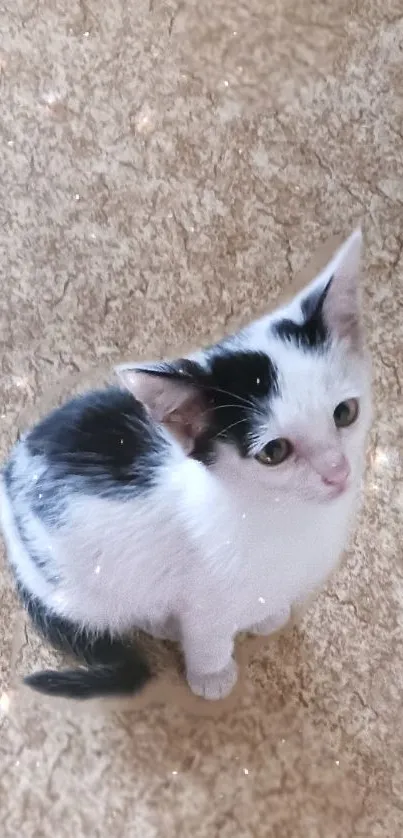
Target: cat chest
column 285, row 559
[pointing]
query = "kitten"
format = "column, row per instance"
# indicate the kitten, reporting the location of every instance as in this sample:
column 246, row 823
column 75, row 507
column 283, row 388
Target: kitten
column 201, row 498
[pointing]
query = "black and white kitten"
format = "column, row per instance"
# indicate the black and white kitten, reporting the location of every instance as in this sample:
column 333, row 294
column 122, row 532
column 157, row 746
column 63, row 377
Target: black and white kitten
column 211, row 494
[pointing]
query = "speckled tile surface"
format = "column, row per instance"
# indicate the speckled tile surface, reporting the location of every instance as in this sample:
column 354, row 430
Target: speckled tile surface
column 164, row 168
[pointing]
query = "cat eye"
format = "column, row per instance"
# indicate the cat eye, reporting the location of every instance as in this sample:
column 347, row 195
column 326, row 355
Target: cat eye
column 275, row 452
column 345, row 413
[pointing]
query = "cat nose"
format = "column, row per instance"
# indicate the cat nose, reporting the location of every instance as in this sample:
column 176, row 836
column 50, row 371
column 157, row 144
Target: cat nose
column 336, row 472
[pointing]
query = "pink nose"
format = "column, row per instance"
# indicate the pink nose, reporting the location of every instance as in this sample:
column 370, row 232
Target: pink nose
column 337, row 472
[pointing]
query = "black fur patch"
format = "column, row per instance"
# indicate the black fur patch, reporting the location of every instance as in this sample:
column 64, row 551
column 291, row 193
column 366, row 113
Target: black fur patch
column 47, row 501
column 240, row 386
column 204, row 448
column 8, row 476
column 313, row 332
column 112, row 666
column 104, row 440
column 123, row 677
column 59, row 632
column 237, row 386
column 42, row 561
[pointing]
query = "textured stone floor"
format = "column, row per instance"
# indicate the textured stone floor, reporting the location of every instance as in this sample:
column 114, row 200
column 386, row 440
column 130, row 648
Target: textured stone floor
column 165, row 168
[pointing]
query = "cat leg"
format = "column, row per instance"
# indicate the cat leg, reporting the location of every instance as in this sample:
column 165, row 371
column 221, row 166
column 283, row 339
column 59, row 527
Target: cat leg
column 274, row 622
column 210, row 667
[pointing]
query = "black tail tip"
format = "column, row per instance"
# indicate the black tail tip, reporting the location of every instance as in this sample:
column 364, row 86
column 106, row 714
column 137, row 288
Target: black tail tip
column 84, row 683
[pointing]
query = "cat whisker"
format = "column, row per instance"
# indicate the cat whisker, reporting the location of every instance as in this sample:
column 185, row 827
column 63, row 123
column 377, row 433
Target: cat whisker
column 224, row 406
column 217, row 407
column 240, row 399
column 255, row 409
column 228, row 428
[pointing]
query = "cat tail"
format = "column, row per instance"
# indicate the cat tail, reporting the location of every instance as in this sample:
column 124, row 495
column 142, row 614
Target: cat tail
column 125, row 676
column 107, row 666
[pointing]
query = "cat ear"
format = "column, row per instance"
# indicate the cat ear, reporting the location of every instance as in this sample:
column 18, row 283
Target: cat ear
column 341, row 302
column 171, row 395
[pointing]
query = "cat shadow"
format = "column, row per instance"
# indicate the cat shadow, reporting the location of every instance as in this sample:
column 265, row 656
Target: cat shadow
column 252, row 653
column 262, row 663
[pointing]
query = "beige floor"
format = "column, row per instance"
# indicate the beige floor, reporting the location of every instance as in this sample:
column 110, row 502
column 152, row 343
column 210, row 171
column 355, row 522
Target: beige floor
column 166, row 166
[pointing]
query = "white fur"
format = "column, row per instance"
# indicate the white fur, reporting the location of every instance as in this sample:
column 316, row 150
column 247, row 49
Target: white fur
column 226, row 548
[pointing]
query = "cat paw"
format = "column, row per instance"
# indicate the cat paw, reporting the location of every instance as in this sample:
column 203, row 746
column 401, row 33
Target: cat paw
column 270, row 624
column 216, row 685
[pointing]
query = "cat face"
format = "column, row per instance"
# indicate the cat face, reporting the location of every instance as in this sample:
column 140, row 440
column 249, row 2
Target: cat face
column 286, row 400
column 308, row 437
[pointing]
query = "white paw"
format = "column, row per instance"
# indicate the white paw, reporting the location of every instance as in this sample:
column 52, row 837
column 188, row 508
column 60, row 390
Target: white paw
column 271, row 624
column 216, row 685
